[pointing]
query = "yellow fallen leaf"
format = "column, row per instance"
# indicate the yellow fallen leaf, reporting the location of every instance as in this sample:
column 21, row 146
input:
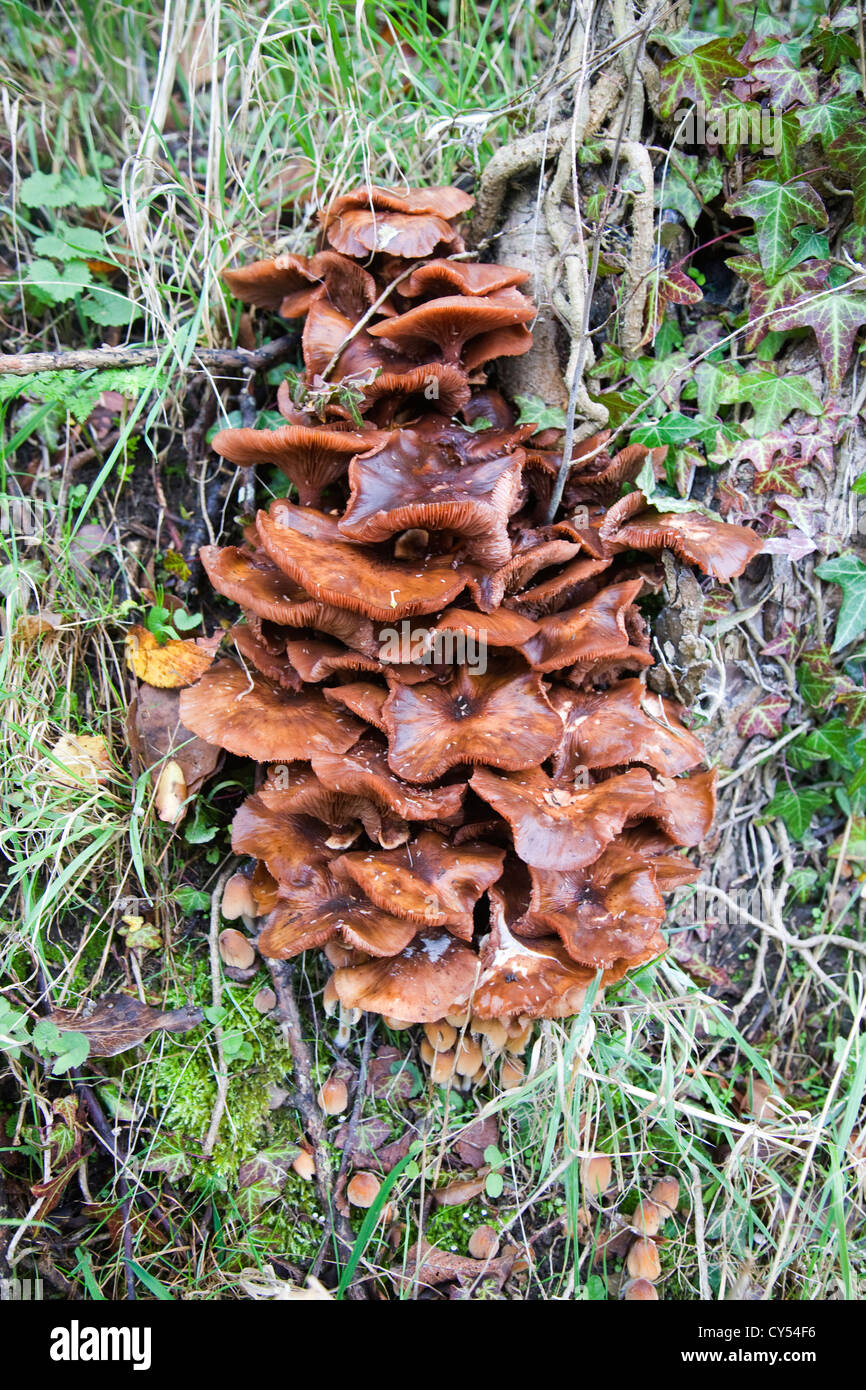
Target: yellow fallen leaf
column 169, row 666
column 82, row 758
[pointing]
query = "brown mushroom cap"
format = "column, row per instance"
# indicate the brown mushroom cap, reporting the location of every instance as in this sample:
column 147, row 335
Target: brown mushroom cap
column 432, row 976
column 356, row 577
column 362, row 231
column 426, row 881
column 684, row 807
column 247, row 716
column 718, row 548
column 444, row 277
column 608, row 911
column 254, row 582
column 408, row 481
column 255, row 652
column 560, row 827
column 595, row 632
column 624, row 724
column 502, row 720
column 267, row 284
column 365, row 772
column 452, row 320
column 361, row 697
column 289, row 283
column 329, row 334
column 501, row 628
column 440, row 200
column 310, row 458
column 534, row 979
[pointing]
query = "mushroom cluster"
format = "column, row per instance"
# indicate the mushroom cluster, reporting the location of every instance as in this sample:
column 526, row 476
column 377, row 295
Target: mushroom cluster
column 468, row 795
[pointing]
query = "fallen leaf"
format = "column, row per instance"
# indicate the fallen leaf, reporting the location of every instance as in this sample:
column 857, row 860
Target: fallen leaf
column 428, row 1266
column 155, row 734
column 461, row 1190
column 474, row 1140
column 119, row 1022
column 78, row 759
column 30, row 626
column 170, row 666
column 139, row 934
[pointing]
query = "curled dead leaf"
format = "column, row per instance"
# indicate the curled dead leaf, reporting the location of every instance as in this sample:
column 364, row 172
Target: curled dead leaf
column 170, row 666
column 157, row 737
column 119, row 1022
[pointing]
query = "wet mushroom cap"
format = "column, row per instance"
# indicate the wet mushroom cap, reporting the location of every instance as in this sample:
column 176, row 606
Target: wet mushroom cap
column 246, row 715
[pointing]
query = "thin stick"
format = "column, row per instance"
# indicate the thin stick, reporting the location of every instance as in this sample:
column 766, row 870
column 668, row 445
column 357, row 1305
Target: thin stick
column 305, row 1100
column 216, row 977
column 97, row 359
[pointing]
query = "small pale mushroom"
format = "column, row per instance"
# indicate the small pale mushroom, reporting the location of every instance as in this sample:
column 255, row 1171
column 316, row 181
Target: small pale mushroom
column 362, row 1189
column 236, row 950
column 238, row 901
column 643, row 1260
column 333, row 1096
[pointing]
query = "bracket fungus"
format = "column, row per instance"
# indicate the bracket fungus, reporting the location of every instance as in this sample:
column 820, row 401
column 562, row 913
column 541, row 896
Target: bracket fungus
column 471, row 799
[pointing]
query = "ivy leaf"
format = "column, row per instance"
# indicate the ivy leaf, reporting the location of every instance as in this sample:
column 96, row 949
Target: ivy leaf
column 797, row 808
column 764, row 719
column 811, row 246
column 668, row 287
column 788, row 83
column 835, row 318
column 828, row 119
column 830, row 743
column 533, row 411
column 675, row 428
column 776, row 209
column 792, row 285
column 698, row 76
column 773, row 398
column 848, row 152
column 850, row 574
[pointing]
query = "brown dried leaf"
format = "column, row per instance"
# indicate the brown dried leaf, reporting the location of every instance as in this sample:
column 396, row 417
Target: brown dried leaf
column 119, row 1022
column 156, row 734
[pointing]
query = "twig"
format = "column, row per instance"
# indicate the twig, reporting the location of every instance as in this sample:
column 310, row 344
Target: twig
column 359, row 1100
column 97, row 359
column 216, row 977
column 305, row 1100
column 103, row 1132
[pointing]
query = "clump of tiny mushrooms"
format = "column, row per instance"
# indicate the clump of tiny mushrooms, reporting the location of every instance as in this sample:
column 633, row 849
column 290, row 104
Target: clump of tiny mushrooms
column 469, row 797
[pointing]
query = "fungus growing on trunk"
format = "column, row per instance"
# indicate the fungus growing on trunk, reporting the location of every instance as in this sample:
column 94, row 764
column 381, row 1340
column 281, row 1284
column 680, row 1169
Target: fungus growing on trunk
column 473, row 803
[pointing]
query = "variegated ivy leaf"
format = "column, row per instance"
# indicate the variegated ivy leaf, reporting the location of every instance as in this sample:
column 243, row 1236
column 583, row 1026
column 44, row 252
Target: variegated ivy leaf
column 788, row 83
column 698, row 76
column 848, row 152
column 792, row 286
column 834, row 317
column 668, row 287
column 828, row 119
column 773, row 398
column 764, row 719
column 850, row 574
column 776, row 209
